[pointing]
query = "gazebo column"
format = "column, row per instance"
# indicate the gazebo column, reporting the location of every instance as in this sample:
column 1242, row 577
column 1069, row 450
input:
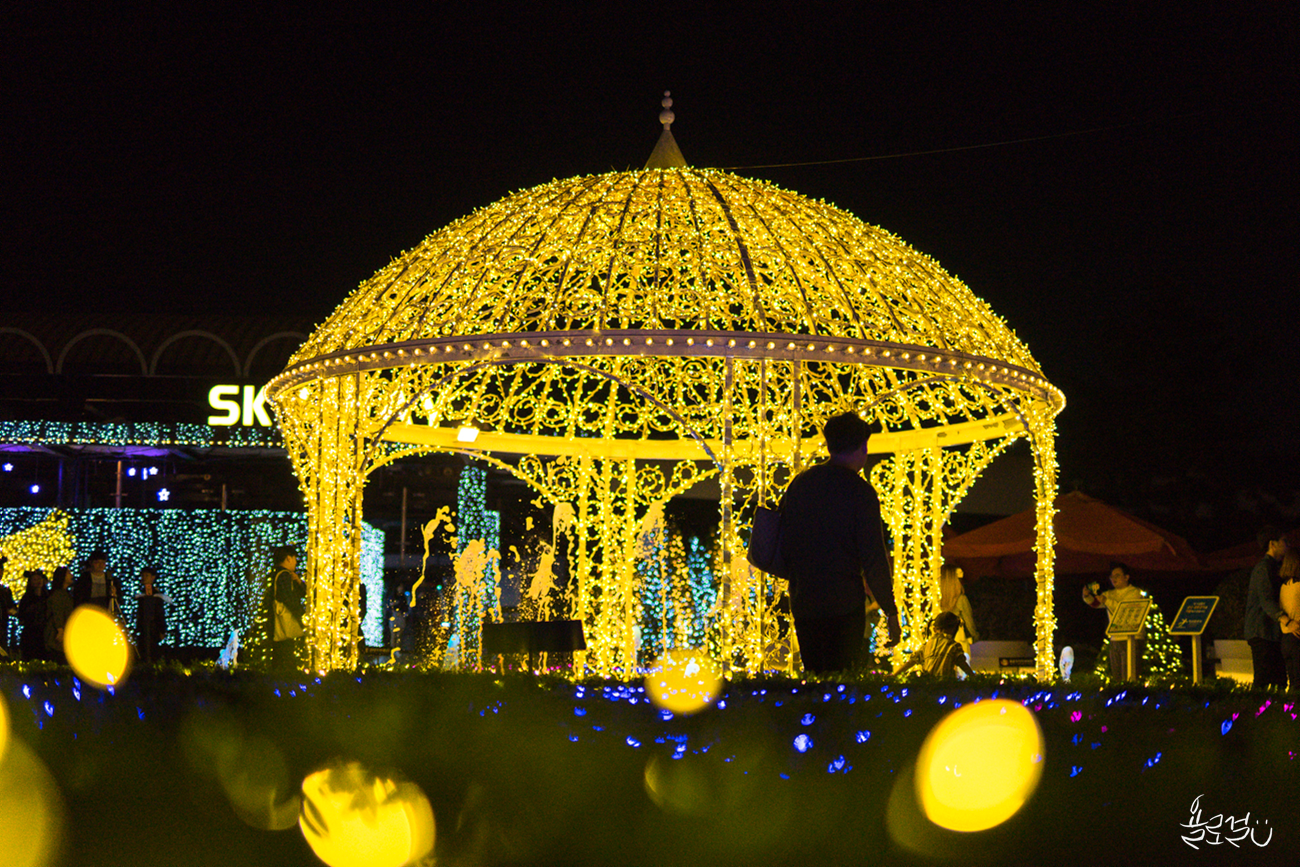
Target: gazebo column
column 742, row 610
column 331, row 482
column 910, row 505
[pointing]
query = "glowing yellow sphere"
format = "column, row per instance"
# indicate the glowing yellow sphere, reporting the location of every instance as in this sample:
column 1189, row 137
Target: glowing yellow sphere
column 353, row 818
column 979, row 765
column 684, row 681
column 4, row 728
column 32, row 807
column 96, row 647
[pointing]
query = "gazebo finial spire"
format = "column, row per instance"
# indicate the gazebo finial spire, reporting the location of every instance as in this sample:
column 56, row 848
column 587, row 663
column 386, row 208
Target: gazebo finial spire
column 666, row 154
column 666, row 117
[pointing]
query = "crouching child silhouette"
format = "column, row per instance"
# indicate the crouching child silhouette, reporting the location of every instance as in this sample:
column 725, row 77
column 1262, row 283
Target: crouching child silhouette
column 941, row 654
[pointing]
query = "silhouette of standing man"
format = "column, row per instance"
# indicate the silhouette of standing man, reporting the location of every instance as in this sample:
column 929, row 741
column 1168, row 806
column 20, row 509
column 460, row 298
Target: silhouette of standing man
column 831, row 547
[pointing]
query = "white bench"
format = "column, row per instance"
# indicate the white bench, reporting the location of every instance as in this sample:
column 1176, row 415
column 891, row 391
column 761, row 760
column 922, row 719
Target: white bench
column 990, row 655
column 1232, row 659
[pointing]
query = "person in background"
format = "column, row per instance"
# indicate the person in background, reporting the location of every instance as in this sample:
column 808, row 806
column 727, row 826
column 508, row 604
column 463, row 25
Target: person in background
column 831, row 545
column 1289, row 600
column 150, row 625
column 941, row 655
column 97, row 586
column 1265, row 619
column 31, row 616
column 8, row 608
column 361, row 613
column 952, row 597
column 58, row 608
column 285, row 607
column 1122, row 590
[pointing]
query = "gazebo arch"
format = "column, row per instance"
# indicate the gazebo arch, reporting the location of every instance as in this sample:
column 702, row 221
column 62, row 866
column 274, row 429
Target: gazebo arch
column 751, row 312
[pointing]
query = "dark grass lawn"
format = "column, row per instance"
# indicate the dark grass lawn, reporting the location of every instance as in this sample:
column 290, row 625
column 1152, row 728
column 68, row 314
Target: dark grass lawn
column 526, row 771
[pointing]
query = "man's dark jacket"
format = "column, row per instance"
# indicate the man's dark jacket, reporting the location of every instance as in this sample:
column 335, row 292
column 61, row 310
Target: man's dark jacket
column 830, row 540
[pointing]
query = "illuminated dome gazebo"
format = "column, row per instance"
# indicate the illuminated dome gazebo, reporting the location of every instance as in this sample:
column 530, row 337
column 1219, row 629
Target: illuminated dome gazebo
column 617, row 338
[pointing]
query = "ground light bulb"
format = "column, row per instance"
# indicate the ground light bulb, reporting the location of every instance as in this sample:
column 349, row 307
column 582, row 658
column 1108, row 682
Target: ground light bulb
column 96, row 647
column 684, row 681
column 979, row 765
column 353, row 818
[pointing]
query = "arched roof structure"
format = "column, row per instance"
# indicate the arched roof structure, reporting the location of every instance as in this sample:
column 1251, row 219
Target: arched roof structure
column 673, row 314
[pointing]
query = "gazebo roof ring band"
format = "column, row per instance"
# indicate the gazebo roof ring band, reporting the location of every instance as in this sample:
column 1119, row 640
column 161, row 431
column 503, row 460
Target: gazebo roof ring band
column 552, row 346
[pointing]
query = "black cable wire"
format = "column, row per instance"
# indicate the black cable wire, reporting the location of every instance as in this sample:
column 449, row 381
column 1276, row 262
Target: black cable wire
column 966, row 147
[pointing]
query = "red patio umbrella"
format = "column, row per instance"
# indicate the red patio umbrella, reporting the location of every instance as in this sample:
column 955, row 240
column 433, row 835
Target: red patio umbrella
column 1089, row 535
column 1243, row 556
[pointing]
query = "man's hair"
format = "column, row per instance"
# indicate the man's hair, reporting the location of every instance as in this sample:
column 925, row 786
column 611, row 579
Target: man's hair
column 97, row 555
column 149, row 570
column 282, row 553
column 947, row 623
column 1115, row 564
column 1268, row 534
column 845, row 433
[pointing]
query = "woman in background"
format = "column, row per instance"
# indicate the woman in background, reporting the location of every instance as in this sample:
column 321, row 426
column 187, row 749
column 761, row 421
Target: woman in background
column 284, row 610
column 31, row 616
column 58, row 608
column 150, row 625
column 952, row 597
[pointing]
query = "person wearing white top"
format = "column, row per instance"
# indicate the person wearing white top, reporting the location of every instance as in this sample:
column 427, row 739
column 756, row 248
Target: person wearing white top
column 1289, row 600
column 952, row 597
column 1121, row 591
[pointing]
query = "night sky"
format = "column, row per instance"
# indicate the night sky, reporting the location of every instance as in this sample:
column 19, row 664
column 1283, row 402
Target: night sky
column 247, row 159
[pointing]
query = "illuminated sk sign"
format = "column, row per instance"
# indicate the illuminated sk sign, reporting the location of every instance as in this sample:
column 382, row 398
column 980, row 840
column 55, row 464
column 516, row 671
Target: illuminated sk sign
column 251, row 411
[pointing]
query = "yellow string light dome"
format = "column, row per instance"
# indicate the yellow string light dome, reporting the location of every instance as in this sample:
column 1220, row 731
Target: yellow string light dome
column 614, row 339
column 696, row 249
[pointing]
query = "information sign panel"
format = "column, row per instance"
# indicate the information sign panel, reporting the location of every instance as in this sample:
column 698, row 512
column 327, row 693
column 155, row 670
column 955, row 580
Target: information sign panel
column 1128, row 618
column 1193, row 615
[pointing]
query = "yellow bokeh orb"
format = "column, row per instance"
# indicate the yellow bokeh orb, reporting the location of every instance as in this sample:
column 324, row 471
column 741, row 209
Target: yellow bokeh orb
column 678, row 786
column 4, row 728
column 35, row 819
column 684, row 681
column 96, row 646
column 979, row 765
column 354, row 818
